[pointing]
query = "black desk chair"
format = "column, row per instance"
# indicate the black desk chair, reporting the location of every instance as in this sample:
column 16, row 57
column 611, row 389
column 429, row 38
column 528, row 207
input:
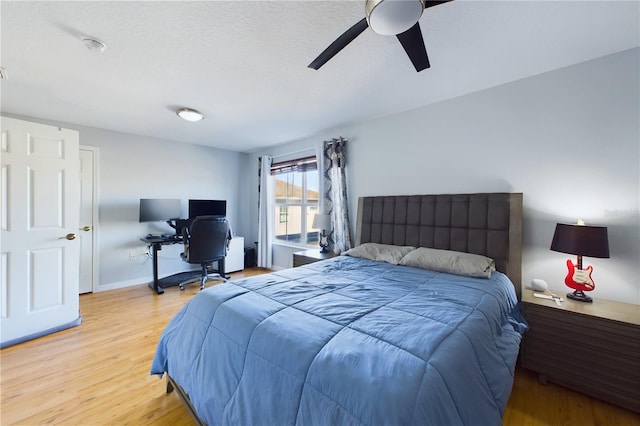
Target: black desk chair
column 206, row 240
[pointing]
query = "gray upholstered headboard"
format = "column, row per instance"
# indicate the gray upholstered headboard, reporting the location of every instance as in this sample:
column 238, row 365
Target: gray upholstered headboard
column 489, row 224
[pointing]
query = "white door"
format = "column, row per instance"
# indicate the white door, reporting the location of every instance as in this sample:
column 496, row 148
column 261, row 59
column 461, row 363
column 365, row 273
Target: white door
column 88, row 219
column 39, row 196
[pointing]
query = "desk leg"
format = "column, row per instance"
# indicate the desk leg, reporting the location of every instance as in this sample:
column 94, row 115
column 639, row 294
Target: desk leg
column 155, row 285
column 221, row 270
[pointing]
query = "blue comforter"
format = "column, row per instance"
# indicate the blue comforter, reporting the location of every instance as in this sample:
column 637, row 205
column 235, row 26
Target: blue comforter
column 347, row 341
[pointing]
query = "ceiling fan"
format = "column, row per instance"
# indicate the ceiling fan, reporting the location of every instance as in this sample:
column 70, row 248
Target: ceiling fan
column 387, row 17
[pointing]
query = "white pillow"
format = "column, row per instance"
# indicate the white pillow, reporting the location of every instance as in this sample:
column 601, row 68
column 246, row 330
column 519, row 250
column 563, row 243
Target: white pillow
column 453, row 262
column 380, row 252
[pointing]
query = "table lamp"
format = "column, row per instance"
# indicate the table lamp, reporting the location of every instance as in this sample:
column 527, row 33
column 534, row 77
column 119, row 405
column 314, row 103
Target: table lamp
column 322, row 222
column 581, row 240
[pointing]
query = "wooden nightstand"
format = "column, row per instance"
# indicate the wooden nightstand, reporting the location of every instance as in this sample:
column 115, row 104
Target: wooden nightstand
column 309, row 256
column 593, row 348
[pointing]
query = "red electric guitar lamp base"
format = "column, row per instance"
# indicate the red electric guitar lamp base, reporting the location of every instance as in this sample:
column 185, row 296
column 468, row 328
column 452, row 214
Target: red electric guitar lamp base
column 580, row 280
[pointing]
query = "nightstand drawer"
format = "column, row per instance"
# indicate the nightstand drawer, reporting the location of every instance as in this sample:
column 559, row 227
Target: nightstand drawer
column 301, row 260
column 556, row 358
column 576, row 330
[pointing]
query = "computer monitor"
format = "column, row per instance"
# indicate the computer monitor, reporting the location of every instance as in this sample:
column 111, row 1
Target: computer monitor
column 207, row 208
column 155, row 209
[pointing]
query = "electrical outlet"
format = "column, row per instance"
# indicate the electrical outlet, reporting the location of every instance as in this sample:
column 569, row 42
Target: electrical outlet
column 132, row 256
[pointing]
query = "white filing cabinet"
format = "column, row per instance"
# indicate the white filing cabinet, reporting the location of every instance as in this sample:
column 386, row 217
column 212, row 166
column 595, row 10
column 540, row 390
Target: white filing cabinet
column 235, row 255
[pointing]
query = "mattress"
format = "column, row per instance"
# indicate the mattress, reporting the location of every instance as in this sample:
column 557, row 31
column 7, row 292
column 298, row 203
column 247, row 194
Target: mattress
column 347, row 341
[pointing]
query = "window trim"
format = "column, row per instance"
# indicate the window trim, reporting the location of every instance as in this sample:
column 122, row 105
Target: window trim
column 298, row 165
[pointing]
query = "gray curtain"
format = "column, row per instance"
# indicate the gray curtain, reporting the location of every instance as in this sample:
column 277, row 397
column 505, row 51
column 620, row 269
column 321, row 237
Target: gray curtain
column 334, row 184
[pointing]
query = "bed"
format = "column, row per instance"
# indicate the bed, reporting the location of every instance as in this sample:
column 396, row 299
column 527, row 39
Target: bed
column 373, row 337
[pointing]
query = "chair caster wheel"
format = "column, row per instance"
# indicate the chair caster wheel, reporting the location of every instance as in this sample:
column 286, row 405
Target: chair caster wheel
column 181, row 288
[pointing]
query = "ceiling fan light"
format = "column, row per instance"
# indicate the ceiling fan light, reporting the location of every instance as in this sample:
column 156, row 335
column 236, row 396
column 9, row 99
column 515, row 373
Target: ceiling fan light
column 392, row 17
column 189, row 114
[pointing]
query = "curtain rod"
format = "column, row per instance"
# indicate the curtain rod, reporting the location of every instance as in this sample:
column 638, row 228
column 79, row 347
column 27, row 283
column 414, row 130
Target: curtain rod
column 294, row 152
column 338, row 139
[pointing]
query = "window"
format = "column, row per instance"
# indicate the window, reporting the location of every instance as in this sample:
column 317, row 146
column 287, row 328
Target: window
column 283, row 214
column 296, row 193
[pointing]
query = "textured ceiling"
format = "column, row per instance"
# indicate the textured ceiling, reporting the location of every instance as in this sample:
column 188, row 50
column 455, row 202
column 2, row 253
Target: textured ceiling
column 244, row 64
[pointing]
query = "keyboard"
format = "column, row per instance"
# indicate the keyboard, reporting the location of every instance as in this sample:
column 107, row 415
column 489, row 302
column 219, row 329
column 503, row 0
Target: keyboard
column 162, row 238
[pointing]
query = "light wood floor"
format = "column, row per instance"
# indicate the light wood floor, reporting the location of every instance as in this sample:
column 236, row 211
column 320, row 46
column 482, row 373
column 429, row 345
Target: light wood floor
column 98, row 372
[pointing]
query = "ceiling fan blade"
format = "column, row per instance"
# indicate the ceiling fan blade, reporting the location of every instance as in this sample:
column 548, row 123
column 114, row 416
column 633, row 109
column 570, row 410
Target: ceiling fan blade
column 413, row 44
column 434, row 3
column 339, row 44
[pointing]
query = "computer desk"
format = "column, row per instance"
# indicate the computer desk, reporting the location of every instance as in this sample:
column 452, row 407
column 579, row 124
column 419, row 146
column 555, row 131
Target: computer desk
column 156, row 242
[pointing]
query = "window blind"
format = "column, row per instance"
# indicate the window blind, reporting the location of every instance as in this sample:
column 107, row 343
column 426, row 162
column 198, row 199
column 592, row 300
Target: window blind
column 296, row 165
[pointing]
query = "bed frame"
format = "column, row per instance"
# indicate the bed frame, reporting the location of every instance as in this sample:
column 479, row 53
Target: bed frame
column 171, row 386
column 489, row 224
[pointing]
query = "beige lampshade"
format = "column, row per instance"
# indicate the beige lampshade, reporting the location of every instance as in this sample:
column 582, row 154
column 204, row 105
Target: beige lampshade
column 321, row 221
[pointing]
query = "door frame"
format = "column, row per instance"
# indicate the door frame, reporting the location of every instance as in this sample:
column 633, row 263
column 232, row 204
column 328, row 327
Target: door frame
column 94, row 215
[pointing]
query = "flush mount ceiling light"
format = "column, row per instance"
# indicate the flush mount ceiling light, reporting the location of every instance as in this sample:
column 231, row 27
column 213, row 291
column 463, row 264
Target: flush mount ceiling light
column 189, row 114
column 391, row 17
column 93, row 43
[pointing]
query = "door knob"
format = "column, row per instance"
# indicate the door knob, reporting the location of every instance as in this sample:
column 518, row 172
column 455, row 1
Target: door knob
column 70, row 236
column 85, row 228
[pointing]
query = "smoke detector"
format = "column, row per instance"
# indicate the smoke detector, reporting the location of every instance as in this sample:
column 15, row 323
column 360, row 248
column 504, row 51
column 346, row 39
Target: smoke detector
column 93, row 43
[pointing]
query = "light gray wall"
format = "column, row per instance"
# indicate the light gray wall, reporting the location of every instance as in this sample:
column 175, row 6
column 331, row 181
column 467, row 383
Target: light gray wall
column 133, row 167
column 568, row 139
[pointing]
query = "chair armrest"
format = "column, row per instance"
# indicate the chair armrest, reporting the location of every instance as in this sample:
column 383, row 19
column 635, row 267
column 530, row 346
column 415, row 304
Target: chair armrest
column 185, row 240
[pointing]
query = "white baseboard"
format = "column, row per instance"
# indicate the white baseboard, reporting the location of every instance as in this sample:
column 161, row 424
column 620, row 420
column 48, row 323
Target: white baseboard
column 129, row 283
column 122, row 284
